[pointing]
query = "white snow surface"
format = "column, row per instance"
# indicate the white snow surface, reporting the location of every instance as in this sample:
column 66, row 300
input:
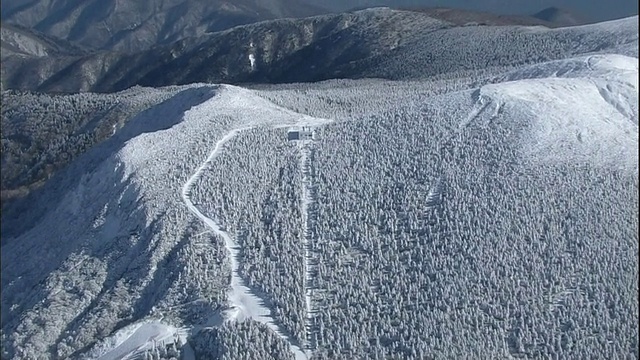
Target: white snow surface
column 582, row 110
column 132, row 341
column 243, row 303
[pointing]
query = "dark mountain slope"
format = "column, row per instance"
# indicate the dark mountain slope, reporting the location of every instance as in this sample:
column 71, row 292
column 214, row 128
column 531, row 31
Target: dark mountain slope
column 41, row 133
column 277, row 46
column 379, row 42
column 560, row 17
column 18, row 40
column 469, row 17
column 136, row 25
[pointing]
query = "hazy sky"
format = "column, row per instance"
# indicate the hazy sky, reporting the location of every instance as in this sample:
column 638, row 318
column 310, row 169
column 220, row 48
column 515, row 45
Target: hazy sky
column 594, row 10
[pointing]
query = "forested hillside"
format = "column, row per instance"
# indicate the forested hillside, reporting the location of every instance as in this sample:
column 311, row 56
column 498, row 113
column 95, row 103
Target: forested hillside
column 373, row 43
column 42, row 133
column 480, row 202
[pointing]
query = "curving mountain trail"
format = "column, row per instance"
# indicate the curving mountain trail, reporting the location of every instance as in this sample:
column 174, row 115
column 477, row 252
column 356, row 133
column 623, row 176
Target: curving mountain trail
column 243, row 302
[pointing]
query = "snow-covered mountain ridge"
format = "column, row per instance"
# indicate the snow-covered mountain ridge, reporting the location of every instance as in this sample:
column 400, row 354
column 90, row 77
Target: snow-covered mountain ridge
column 372, row 43
column 471, row 221
column 590, row 112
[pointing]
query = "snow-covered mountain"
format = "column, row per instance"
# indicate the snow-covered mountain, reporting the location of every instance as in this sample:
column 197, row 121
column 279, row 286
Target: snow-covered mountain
column 131, row 26
column 426, row 218
column 372, row 43
column 42, row 133
column 489, row 212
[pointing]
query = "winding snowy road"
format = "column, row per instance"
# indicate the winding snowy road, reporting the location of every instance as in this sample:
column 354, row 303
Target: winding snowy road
column 243, row 303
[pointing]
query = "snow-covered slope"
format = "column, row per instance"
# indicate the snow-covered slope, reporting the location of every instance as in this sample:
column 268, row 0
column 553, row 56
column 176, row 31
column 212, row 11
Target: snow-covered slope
column 415, row 225
column 490, row 219
column 119, row 237
column 582, row 110
column 134, row 340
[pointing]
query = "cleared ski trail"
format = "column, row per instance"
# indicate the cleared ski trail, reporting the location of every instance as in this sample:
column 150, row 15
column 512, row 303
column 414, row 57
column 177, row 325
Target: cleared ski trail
column 243, row 303
column 310, row 267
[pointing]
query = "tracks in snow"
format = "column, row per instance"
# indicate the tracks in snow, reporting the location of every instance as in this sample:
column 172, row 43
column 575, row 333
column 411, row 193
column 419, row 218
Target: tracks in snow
column 480, row 105
column 434, row 197
column 243, row 302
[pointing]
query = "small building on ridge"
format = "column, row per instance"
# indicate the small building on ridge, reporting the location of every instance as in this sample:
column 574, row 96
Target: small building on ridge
column 305, row 133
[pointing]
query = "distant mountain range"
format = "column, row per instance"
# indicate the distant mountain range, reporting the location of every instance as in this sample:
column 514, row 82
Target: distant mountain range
column 561, row 17
column 18, row 40
column 378, row 42
column 592, row 10
column 468, row 17
column 135, row 25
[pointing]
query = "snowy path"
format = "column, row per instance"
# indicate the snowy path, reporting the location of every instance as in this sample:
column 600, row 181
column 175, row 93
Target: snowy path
column 310, row 268
column 243, row 303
